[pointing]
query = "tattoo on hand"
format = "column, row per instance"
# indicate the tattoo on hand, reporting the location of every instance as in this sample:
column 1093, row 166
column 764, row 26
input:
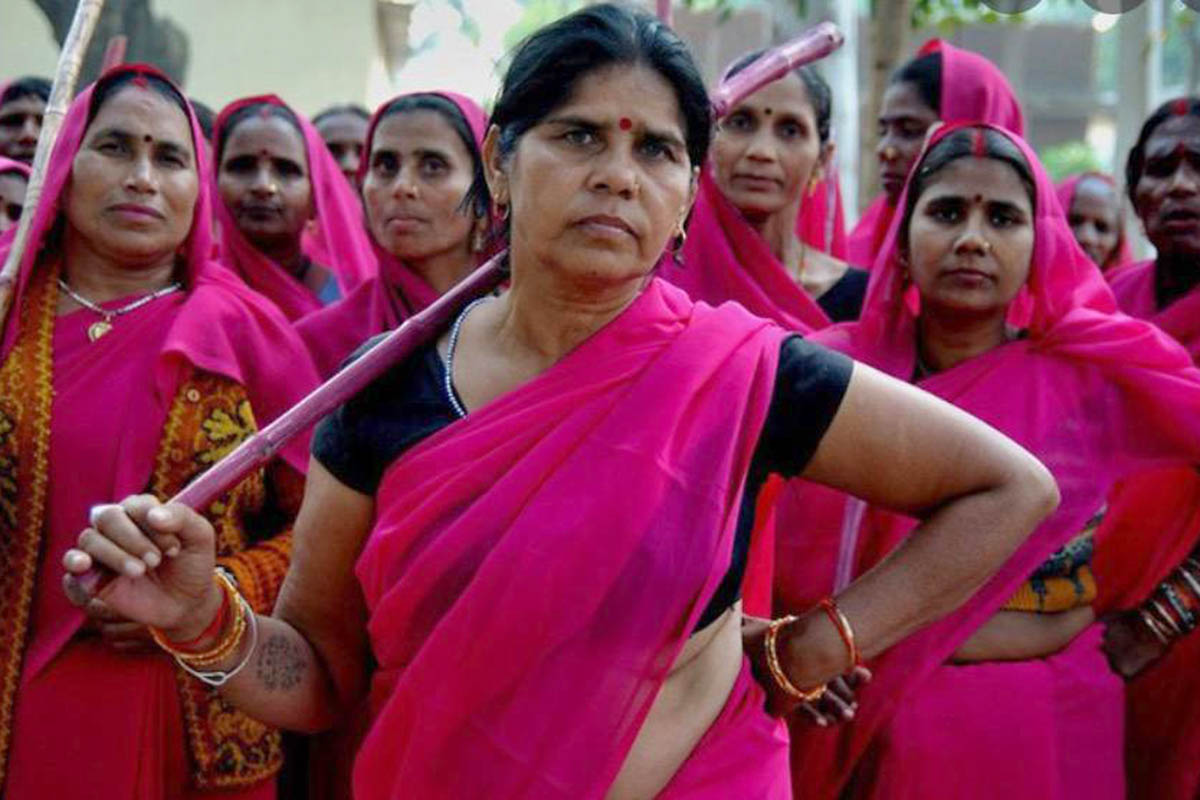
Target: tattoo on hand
column 281, row 663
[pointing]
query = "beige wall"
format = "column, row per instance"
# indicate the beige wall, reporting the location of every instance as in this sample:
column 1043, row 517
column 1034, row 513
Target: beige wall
column 311, row 52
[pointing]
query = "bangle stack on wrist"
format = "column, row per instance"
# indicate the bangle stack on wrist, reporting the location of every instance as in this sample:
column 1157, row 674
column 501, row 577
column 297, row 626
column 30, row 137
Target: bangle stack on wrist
column 230, row 636
column 1173, row 609
column 772, row 646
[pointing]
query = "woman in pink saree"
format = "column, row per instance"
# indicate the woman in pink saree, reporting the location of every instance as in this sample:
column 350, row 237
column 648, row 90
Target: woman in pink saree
column 422, row 156
column 130, row 362
column 768, row 155
column 536, row 573
column 1092, row 204
column 1163, row 739
column 1010, row 696
column 290, row 225
column 942, row 82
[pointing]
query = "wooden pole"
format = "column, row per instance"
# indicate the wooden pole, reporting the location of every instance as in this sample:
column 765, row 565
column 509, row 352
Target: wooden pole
column 665, row 12
column 114, row 52
column 61, row 92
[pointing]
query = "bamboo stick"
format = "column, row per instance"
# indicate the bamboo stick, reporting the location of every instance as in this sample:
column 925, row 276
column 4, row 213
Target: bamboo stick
column 664, row 12
column 70, row 61
column 423, row 327
column 114, row 52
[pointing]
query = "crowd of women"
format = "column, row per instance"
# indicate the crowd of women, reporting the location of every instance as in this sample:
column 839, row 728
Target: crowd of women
column 711, row 499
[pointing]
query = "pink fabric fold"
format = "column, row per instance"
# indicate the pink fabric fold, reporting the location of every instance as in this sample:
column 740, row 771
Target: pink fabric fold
column 973, row 90
column 391, row 295
column 1131, row 398
column 821, row 222
column 1123, row 255
column 339, row 241
column 566, row 535
column 9, row 165
column 1162, row 744
column 725, row 259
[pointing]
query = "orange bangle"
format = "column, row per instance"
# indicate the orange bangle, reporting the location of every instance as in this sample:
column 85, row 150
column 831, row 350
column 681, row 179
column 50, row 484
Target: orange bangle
column 829, row 606
column 776, row 669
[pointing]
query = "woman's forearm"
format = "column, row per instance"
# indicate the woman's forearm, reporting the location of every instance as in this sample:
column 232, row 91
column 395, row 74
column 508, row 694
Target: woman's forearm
column 1022, row 635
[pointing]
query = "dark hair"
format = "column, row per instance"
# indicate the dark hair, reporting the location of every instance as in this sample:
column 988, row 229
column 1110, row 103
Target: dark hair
column 249, row 110
column 353, row 109
column 962, row 143
column 1136, row 161
column 550, row 63
column 925, row 74
column 819, row 94
column 28, row 86
column 204, row 117
column 114, row 82
column 478, row 199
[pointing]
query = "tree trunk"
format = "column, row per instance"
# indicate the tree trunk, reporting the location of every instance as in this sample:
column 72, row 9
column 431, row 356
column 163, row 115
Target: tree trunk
column 152, row 39
column 889, row 30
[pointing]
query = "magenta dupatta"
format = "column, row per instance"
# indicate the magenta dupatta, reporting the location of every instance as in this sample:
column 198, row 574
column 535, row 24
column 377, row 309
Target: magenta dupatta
column 1095, row 395
column 341, row 241
column 1163, row 724
column 110, row 404
column 9, row 165
column 725, row 259
column 973, row 90
column 395, row 292
column 821, row 223
column 1123, row 254
column 536, row 566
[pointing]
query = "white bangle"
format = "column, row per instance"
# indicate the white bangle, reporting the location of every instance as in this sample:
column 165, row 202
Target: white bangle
column 217, row 678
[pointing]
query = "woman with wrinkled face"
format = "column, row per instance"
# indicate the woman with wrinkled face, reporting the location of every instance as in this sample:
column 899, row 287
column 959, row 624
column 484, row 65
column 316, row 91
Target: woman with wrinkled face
column 427, row 231
column 1093, row 208
column 768, row 153
column 524, row 544
column 130, row 362
column 1162, row 176
column 986, row 301
column 290, row 225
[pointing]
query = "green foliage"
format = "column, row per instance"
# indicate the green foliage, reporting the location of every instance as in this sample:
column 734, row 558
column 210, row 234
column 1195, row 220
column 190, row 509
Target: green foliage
column 1069, row 158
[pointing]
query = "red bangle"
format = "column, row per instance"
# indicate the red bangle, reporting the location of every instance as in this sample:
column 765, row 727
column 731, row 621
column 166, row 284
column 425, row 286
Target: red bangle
column 844, row 630
column 213, row 627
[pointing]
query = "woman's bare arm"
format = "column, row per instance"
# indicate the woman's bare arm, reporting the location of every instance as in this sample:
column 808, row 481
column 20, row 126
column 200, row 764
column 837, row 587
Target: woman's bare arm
column 310, row 660
column 978, row 494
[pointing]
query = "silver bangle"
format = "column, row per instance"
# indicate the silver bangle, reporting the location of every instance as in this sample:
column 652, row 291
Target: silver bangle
column 217, row 678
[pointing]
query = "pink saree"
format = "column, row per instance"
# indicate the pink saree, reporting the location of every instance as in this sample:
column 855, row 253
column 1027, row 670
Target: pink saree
column 1162, row 743
column 536, row 566
column 87, row 721
column 1069, row 393
column 973, row 90
column 338, row 241
column 388, row 297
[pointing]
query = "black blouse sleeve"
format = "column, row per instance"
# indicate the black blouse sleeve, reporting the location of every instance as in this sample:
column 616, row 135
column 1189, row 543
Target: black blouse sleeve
column 809, row 385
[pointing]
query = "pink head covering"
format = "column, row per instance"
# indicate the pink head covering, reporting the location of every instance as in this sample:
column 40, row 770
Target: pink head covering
column 395, row 292
column 1123, row 254
column 973, row 90
column 1094, row 394
column 221, row 326
column 725, row 259
column 339, row 219
column 9, row 165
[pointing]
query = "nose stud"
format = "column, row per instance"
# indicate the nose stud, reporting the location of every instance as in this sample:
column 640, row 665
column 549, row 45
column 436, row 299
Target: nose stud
column 890, row 153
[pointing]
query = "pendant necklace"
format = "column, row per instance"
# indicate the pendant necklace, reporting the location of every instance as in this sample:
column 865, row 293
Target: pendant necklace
column 105, row 324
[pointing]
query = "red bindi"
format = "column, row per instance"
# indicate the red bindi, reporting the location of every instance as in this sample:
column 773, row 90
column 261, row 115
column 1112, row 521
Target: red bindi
column 625, row 123
column 139, row 80
column 264, row 112
column 1180, row 107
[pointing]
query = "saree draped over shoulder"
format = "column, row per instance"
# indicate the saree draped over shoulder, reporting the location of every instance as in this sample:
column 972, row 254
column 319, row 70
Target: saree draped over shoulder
column 537, row 565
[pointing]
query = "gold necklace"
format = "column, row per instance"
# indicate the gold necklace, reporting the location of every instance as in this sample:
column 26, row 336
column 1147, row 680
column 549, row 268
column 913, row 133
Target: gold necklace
column 105, row 324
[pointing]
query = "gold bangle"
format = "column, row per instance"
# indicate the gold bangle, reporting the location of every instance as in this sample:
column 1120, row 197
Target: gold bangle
column 781, row 678
column 229, row 641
